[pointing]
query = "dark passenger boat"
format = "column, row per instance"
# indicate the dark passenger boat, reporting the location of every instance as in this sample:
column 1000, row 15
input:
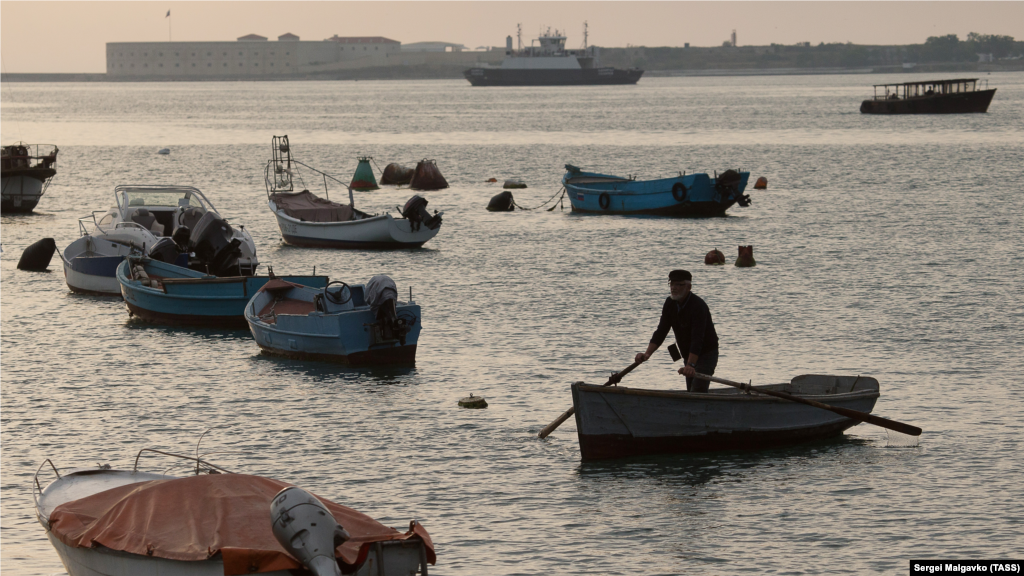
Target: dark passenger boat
column 550, row 64
column 930, row 97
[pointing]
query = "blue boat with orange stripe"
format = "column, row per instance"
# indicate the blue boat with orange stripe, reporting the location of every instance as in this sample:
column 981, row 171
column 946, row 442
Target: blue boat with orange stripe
column 693, row 195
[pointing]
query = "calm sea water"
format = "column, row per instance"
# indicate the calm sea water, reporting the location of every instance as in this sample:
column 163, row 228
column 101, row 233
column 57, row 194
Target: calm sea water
column 886, row 246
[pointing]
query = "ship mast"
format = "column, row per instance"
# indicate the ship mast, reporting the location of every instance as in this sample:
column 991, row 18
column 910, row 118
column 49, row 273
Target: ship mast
column 584, row 34
column 519, row 36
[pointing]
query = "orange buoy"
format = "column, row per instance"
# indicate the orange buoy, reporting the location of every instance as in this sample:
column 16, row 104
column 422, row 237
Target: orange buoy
column 746, row 257
column 761, row 184
column 491, row 180
column 714, row 257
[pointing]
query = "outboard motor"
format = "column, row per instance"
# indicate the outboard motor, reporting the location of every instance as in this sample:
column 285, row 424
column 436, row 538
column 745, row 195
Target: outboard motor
column 165, row 250
column 415, row 210
column 37, row 256
column 382, row 296
column 728, row 185
column 307, row 530
column 212, row 242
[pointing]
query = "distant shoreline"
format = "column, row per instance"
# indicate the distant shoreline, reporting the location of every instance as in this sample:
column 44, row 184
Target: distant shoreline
column 453, row 73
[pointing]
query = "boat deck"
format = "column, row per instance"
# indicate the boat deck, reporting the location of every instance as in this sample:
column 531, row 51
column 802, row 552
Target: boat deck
column 285, row 306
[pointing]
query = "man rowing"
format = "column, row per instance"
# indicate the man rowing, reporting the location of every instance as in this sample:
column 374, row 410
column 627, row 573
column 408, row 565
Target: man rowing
column 690, row 319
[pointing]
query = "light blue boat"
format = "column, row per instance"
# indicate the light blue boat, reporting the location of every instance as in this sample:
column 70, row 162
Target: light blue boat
column 167, row 294
column 693, row 195
column 358, row 325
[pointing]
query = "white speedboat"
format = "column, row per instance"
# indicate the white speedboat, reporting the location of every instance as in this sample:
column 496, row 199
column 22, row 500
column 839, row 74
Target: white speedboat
column 145, row 216
column 308, row 220
column 25, row 174
column 109, row 522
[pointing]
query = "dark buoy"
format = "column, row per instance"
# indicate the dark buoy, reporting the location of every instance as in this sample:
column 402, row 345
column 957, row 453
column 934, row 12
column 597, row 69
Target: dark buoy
column 427, row 177
column 395, row 173
column 715, row 257
column 473, row 402
column 502, row 203
column 513, row 184
column 37, row 256
column 746, row 257
column 761, row 184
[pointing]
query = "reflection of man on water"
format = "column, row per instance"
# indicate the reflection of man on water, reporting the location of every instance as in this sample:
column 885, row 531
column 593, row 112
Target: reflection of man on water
column 690, row 319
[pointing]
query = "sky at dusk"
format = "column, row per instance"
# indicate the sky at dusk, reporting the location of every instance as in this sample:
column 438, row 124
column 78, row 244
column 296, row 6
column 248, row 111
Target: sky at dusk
column 71, row 36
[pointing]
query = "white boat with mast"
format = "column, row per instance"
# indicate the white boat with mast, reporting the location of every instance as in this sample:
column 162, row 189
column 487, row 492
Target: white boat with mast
column 308, row 220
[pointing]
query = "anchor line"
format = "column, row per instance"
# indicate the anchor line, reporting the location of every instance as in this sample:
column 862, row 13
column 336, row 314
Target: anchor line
column 377, row 165
column 560, row 191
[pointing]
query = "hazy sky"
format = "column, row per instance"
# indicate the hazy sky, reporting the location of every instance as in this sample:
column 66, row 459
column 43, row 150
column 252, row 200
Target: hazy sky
column 71, row 36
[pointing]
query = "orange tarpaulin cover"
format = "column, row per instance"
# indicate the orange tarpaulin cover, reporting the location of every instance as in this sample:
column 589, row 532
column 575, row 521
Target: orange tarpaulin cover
column 196, row 517
column 307, row 206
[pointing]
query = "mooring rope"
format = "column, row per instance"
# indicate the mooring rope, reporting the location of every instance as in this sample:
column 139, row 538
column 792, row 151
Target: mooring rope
column 560, row 191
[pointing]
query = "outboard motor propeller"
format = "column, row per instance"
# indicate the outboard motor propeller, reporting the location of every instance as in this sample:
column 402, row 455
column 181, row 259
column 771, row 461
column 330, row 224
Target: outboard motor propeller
column 415, row 210
column 307, row 530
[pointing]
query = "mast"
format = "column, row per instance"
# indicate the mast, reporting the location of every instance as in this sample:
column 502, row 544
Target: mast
column 519, row 36
column 584, row 34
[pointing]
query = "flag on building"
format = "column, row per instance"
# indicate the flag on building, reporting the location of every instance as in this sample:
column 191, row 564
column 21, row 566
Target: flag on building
column 168, row 14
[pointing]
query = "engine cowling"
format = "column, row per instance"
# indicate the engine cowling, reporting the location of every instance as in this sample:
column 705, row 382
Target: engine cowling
column 306, row 529
column 415, row 210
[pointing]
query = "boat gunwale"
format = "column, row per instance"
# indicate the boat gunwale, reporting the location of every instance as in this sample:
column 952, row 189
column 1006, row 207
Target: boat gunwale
column 280, row 213
column 721, row 394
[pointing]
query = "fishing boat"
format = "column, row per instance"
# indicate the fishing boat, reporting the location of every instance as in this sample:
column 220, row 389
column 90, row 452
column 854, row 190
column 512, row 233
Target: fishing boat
column 308, row 220
column 111, row 522
column 549, row 63
column 358, row 325
column 25, row 173
column 958, row 96
column 616, row 421
column 144, row 217
column 164, row 293
column 691, row 195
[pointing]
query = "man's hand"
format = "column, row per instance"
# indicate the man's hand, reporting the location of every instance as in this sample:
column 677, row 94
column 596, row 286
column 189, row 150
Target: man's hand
column 642, row 357
column 687, row 370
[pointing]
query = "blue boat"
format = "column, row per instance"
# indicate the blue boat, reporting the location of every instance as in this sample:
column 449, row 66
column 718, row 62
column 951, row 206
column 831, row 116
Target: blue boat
column 694, row 195
column 358, row 325
column 163, row 293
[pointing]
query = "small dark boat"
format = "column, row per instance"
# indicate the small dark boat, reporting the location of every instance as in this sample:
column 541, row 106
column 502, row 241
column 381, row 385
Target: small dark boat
column 25, row 175
column 615, row 421
column 930, row 97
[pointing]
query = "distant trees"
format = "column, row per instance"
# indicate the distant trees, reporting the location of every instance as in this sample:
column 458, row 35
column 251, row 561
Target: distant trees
column 998, row 46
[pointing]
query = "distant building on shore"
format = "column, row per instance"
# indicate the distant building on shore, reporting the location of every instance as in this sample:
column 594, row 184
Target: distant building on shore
column 251, row 56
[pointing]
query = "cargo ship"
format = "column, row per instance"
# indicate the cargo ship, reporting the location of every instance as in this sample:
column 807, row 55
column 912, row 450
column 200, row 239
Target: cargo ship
column 548, row 63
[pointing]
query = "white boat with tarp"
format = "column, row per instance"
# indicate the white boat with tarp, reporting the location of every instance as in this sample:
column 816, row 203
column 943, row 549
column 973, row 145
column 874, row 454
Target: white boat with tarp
column 153, row 219
column 306, row 219
column 104, row 521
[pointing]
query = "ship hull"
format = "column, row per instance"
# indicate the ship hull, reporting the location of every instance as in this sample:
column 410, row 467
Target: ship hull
column 551, row 77
column 957, row 103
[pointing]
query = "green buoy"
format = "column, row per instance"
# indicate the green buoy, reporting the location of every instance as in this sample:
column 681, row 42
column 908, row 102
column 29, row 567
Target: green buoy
column 364, row 179
column 473, row 402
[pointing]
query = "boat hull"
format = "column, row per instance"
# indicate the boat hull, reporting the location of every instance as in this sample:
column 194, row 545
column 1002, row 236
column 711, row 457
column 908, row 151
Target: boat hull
column 616, row 422
column 90, row 263
column 375, row 233
column 957, row 103
column 20, row 193
column 692, row 196
column 190, row 298
column 551, row 77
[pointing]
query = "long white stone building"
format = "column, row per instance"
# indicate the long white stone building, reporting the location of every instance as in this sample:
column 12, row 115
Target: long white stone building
column 248, row 57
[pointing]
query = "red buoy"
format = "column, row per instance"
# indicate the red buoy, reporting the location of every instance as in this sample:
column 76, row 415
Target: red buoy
column 714, row 257
column 761, row 184
column 746, row 257
column 427, row 177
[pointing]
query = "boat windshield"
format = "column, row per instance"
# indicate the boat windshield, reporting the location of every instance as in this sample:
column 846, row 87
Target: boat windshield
column 161, row 198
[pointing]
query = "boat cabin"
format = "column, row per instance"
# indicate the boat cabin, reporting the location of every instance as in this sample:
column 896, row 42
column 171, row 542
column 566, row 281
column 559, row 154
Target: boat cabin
column 159, row 209
column 21, row 155
column 927, row 88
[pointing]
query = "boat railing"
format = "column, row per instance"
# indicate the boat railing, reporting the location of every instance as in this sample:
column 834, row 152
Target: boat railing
column 199, row 461
column 22, row 155
column 37, row 488
column 272, row 185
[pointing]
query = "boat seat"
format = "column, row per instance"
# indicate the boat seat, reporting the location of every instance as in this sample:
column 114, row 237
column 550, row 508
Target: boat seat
column 189, row 217
column 147, row 220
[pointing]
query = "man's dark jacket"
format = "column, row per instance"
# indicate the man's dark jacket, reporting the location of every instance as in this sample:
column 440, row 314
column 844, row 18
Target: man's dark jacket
column 690, row 320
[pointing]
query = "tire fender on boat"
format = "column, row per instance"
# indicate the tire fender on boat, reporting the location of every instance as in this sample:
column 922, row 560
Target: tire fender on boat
column 679, row 191
column 604, row 200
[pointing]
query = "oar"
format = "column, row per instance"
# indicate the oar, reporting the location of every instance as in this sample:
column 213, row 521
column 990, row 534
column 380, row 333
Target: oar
column 854, row 414
column 614, row 379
